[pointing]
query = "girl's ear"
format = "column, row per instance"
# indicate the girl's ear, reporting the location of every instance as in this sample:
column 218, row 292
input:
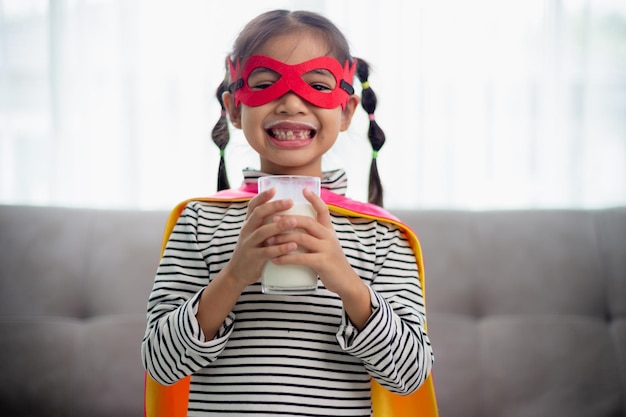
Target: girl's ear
column 348, row 111
column 234, row 113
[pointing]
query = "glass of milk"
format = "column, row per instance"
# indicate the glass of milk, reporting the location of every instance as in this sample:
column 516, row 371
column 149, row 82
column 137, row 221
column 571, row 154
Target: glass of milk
column 290, row 279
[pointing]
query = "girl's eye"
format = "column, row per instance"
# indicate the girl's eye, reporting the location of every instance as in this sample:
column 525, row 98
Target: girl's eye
column 321, row 80
column 262, row 78
column 261, row 85
column 321, row 87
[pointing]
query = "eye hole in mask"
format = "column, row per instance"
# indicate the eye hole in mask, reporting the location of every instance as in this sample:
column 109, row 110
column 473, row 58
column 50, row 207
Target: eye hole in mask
column 320, row 81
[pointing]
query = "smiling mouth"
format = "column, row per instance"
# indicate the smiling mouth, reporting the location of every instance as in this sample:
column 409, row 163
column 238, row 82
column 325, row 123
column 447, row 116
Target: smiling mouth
column 291, row 134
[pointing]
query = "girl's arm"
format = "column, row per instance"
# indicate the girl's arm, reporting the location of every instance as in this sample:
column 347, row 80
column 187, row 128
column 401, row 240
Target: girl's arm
column 190, row 313
column 384, row 324
column 174, row 345
column 393, row 343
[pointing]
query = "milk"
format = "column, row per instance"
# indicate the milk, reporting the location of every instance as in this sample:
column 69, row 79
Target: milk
column 290, row 279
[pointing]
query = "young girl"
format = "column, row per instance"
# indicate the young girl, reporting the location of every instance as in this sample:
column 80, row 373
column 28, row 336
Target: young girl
column 228, row 348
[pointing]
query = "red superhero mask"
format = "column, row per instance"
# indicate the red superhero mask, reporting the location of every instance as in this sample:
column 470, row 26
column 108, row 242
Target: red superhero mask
column 302, row 79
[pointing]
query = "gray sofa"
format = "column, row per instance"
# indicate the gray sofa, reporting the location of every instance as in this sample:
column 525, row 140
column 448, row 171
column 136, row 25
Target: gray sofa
column 527, row 310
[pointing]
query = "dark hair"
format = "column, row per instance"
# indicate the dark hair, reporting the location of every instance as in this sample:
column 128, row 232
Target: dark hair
column 280, row 22
column 221, row 137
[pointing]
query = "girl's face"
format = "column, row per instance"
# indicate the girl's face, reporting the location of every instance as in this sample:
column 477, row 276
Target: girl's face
column 290, row 134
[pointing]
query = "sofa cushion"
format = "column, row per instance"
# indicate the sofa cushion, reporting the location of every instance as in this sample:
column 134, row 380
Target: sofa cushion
column 526, row 310
column 74, row 285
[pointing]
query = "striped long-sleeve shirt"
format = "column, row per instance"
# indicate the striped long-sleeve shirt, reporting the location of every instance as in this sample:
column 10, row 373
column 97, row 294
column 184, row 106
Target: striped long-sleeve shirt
column 296, row 355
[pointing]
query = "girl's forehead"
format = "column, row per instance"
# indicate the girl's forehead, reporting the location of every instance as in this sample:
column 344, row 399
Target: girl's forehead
column 295, row 48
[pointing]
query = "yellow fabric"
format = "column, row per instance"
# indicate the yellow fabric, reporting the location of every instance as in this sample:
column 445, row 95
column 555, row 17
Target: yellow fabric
column 172, row 401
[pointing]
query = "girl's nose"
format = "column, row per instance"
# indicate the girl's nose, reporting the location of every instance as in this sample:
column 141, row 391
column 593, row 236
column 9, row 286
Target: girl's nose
column 291, row 103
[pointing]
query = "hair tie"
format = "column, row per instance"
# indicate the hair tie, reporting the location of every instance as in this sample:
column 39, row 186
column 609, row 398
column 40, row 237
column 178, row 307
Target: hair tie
column 365, row 85
column 222, row 152
column 374, row 154
column 371, row 116
column 223, row 112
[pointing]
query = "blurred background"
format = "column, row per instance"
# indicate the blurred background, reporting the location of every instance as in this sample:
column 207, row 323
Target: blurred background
column 488, row 104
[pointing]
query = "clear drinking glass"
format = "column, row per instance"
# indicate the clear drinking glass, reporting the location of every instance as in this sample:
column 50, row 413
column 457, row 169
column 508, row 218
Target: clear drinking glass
column 290, row 279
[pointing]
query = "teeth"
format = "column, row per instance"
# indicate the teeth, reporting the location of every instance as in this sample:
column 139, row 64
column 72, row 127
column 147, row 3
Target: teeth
column 290, row 134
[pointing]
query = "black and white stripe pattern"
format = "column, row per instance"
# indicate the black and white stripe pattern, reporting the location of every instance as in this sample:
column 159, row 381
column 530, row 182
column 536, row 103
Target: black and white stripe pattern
column 286, row 355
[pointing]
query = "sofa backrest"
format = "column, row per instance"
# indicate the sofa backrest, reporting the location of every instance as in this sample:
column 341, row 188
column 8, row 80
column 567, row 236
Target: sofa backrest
column 526, row 310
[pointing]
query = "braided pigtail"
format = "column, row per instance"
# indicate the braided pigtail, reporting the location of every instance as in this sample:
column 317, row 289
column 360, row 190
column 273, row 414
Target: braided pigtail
column 375, row 133
column 221, row 137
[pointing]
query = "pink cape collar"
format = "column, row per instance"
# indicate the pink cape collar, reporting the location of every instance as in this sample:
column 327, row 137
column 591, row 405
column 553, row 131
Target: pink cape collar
column 249, row 190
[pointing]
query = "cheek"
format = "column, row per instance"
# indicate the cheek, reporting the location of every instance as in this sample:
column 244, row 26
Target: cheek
column 340, row 125
column 333, row 119
column 255, row 115
column 250, row 118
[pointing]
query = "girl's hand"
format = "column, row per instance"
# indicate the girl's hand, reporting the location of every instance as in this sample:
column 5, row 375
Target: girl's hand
column 245, row 266
column 251, row 251
column 325, row 254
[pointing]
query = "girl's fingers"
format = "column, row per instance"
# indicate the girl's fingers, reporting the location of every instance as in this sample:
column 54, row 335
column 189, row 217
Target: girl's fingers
column 260, row 208
column 275, row 227
column 323, row 216
column 275, row 251
column 260, row 199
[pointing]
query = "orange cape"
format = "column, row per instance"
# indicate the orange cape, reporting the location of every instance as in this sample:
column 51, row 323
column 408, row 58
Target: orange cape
column 172, row 401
